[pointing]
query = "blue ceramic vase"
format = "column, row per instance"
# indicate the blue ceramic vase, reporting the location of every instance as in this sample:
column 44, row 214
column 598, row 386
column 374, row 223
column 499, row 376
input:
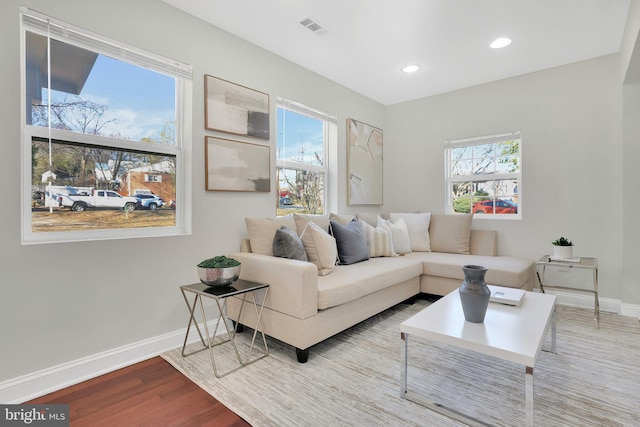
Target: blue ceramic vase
column 474, row 293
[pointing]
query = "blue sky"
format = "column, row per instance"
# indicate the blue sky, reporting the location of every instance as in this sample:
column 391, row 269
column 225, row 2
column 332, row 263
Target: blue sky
column 139, row 99
column 296, row 131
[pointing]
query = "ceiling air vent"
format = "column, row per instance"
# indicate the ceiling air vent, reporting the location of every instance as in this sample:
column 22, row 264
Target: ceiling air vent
column 312, row 25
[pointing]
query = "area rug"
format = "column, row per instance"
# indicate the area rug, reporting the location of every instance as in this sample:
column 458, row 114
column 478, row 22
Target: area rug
column 353, row 379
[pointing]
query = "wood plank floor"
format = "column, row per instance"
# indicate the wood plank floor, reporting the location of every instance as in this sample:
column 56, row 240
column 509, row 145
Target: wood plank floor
column 149, row 393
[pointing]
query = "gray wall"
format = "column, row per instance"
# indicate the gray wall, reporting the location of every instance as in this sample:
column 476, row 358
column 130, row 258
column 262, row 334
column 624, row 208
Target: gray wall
column 50, row 318
column 630, row 56
column 630, row 289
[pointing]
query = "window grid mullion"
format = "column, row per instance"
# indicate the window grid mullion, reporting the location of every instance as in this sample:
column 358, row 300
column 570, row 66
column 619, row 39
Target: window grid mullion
column 486, row 177
column 101, row 141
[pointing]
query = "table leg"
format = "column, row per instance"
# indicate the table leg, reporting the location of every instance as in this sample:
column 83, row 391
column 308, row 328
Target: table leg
column 553, row 330
column 192, row 320
column 259, row 325
column 421, row 400
column 209, row 339
column 597, row 300
column 403, row 364
column 222, row 308
column 529, row 396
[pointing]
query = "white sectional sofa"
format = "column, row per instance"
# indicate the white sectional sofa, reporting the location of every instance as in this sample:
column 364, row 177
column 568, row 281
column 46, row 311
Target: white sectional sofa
column 309, row 302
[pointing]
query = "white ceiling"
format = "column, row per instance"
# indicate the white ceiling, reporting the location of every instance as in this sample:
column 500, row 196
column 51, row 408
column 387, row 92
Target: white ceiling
column 367, row 42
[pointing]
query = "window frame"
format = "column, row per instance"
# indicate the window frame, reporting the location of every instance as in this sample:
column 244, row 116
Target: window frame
column 328, row 121
column 46, row 26
column 450, row 180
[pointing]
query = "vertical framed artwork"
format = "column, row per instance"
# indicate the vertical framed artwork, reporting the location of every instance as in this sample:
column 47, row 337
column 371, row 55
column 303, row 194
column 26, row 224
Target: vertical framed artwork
column 364, row 164
column 236, row 166
column 235, row 109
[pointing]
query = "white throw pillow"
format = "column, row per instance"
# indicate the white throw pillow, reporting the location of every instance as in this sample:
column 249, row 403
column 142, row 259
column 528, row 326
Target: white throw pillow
column 263, row 230
column 399, row 235
column 320, row 247
column 379, row 240
column 418, row 227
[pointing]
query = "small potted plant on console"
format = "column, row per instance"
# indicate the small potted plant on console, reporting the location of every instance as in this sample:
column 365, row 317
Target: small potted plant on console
column 562, row 248
column 219, row 271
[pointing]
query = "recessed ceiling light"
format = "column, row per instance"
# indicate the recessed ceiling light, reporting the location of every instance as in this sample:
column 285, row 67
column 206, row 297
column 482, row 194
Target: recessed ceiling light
column 500, row 43
column 410, row 68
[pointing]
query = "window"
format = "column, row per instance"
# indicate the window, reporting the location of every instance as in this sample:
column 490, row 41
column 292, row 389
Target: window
column 100, row 115
column 484, row 175
column 303, row 139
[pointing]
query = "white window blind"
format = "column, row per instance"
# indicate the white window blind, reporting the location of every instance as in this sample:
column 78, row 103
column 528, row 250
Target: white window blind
column 44, row 25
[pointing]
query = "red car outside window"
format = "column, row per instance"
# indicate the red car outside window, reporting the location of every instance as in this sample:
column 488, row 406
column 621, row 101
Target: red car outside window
column 501, row 207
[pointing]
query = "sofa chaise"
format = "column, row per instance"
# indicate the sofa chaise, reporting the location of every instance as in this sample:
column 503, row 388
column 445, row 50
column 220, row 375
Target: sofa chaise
column 310, row 301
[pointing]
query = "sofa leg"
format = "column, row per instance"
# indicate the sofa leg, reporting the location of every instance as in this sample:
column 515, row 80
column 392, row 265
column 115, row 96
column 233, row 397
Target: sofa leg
column 410, row 300
column 239, row 327
column 302, row 355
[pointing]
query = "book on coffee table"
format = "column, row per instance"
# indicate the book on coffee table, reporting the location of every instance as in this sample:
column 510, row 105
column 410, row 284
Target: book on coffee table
column 507, row 296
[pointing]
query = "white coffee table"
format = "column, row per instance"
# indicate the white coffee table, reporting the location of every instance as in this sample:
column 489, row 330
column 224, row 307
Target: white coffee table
column 514, row 334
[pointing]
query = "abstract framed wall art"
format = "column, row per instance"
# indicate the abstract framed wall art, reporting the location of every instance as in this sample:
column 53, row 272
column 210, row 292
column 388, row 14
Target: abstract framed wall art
column 235, row 109
column 364, row 163
column 236, row 166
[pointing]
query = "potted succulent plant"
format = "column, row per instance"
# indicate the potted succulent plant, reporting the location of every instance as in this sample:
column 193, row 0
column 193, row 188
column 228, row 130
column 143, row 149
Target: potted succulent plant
column 218, row 271
column 562, row 248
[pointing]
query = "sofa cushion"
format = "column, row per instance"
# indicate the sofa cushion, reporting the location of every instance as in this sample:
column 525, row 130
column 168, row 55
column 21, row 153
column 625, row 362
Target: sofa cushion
column 505, row 271
column 320, row 247
column 450, row 233
column 418, row 227
column 370, row 218
column 341, row 219
column 483, row 242
column 351, row 242
column 301, row 221
column 287, row 244
column 263, row 230
column 350, row 282
column 379, row 240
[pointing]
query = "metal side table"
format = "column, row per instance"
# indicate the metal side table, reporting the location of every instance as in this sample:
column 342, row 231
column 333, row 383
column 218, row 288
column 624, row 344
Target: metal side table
column 240, row 288
column 584, row 264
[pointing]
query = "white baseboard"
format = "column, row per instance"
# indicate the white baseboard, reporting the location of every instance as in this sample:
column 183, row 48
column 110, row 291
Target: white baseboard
column 609, row 305
column 36, row 384
column 632, row 310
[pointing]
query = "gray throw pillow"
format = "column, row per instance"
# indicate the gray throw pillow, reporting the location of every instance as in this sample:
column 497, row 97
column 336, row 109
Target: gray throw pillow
column 351, row 242
column 287, row 244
